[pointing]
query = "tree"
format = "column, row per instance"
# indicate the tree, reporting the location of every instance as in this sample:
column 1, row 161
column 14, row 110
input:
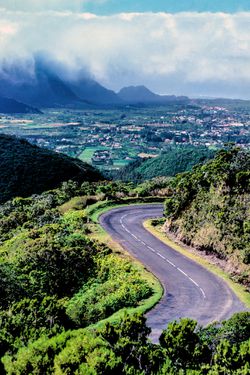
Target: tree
column 182, row 344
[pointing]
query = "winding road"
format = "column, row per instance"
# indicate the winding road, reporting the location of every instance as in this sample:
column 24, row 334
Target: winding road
column 189, row 289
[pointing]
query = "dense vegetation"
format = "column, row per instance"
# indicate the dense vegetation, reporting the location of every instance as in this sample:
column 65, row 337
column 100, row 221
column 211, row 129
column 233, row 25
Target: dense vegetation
column 26, row 169
column 124, row 348
column 175, row 160
column 209, row 209
column 53, row 278
column 56, row 282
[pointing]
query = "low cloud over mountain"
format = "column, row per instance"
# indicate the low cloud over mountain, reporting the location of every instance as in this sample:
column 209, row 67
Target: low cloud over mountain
column 184, row 53
column 50, row 84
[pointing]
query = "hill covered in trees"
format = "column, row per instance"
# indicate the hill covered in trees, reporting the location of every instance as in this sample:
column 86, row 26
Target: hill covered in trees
column 26, row 169
column 209, row 208
column 175, row 160
column 142, row 95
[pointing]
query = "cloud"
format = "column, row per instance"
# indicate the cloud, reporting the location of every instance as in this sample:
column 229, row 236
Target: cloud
column 46, row 5
column 189, row 53
column 39, row 5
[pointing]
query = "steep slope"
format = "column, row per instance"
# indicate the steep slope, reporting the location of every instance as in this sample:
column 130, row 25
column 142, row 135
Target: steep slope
column 210, row 209
column 11, row 106
column 174, row 160
column 49, row 86
column 92, row 92
column 42, row 89
column 141, row 94
column 26, row 169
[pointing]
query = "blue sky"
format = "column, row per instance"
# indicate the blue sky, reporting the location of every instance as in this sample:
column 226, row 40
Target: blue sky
column 172, row 6
column 108, row 7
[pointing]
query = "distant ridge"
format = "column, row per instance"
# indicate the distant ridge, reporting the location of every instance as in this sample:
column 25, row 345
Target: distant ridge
column 11, row 106
column 47, row 87
column 141, row 94
column 174, row 160
column 92, row 92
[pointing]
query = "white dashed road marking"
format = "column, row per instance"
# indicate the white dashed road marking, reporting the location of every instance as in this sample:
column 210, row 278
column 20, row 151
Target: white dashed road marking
column 161, row 256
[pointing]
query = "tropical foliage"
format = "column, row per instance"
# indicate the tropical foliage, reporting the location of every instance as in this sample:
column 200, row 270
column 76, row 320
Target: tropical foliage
column 57, row 284
column 125, row 348
column 53, row 278
column 174, row 159
column 209, row 209
column 26, row 169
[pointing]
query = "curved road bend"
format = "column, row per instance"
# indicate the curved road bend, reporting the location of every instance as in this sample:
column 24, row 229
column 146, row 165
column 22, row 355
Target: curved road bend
column 189, row 289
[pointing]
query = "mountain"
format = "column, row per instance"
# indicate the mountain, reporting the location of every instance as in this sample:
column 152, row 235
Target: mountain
column 208, row 208
column 11, row 106
column 94, row 93
column 26, row 169
column 42, row 89
column 175, row 160
column 141, row 94
column 48, row 86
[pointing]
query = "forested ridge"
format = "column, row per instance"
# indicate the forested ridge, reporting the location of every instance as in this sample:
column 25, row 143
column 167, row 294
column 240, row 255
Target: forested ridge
column 209, row 208
column 175, row 159
column 26, row 169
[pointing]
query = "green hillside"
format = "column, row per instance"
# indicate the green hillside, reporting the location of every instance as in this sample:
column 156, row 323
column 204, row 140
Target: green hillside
column 59, row 280
column 55, row 278
column 26, row 169
column 210, row 209
column 175, row 160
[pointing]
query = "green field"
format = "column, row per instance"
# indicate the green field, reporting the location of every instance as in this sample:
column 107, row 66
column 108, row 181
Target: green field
column 87, row 154
column 120, row 163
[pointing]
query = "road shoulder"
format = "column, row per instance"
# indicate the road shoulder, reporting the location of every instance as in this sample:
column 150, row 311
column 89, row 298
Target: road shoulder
column 238, row 289
column 97, row 233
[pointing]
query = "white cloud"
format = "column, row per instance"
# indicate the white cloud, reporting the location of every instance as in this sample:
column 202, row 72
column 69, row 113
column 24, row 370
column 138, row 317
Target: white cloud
column 45, row 5
column 38, row 5
column 184, row 52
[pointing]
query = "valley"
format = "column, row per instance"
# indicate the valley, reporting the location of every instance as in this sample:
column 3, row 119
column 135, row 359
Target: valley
column 113, row 138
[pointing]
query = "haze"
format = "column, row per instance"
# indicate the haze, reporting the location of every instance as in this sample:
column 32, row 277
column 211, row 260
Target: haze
column 195, row 53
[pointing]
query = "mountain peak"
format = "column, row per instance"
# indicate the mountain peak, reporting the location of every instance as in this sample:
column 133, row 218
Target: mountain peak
column 50, row 85
column 141, row 94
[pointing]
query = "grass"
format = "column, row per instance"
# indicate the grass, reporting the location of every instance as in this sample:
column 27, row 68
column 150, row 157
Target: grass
column 76, row 203
column 120, row 163
column 94, row 211
column 238, row 289
column 98, row 234
column 88, row 153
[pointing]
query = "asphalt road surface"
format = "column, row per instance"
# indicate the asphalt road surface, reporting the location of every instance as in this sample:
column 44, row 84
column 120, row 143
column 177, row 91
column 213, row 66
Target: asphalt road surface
column 189, row 289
